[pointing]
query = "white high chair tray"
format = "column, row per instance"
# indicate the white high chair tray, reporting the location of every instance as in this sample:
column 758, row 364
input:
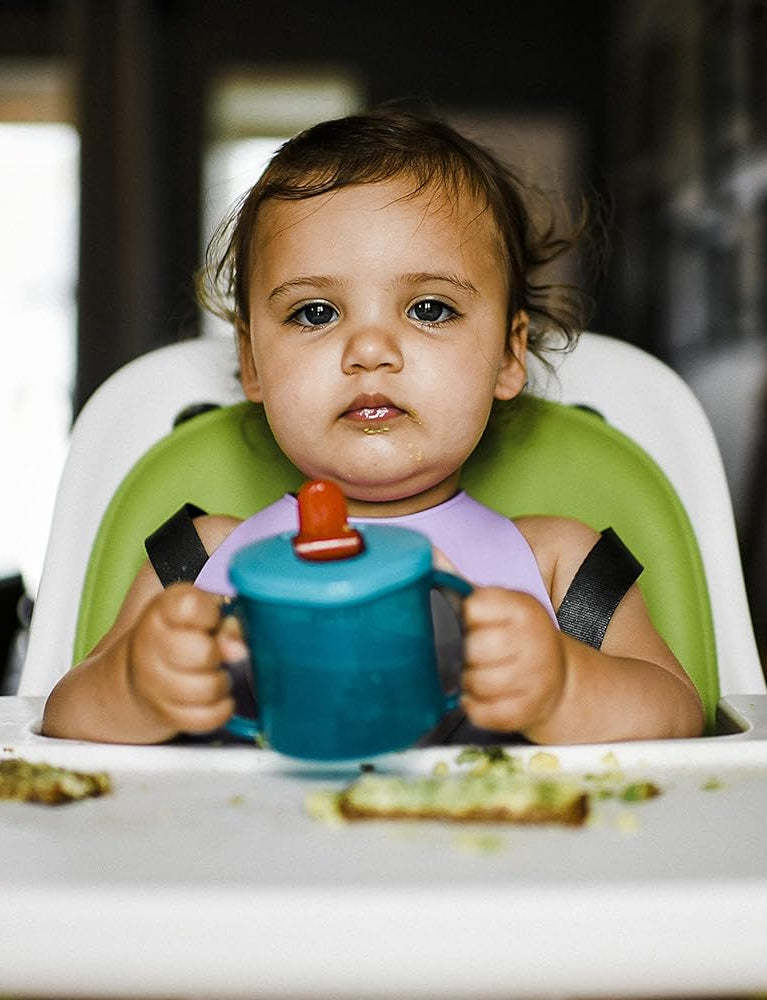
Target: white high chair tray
column 202, row 875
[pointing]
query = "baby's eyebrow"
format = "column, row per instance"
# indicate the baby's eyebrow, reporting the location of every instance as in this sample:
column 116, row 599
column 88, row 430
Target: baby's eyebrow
column 427, row 277
column 409, row 278
column 303, row 281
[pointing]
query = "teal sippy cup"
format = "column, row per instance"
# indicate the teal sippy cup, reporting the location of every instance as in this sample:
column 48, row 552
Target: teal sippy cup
column 338, row 622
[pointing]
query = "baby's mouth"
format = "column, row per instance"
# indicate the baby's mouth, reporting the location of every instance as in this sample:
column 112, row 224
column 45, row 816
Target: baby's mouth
column 372, row 410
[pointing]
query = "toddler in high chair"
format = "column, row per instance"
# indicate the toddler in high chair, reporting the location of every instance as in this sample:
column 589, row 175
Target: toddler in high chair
column 380, row 277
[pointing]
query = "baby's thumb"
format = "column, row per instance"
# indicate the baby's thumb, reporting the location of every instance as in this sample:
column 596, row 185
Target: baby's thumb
column 441, row 561
column 231, row 641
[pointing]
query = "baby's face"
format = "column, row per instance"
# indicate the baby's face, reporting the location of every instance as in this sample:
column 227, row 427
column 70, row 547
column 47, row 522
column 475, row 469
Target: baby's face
column 379, row 337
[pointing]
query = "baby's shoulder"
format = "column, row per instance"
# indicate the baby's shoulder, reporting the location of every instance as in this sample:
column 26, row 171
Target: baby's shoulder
column 213, row 529
column 559, row 544
column 550, row 531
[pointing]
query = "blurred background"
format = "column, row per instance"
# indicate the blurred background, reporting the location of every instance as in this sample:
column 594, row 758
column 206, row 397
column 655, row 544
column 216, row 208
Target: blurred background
column 128, row 127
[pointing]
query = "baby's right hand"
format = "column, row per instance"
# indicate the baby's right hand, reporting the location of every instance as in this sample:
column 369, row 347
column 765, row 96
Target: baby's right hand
column 174, row 661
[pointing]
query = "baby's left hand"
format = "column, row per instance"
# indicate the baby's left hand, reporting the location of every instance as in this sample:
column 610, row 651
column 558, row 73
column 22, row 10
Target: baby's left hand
column 515, row 666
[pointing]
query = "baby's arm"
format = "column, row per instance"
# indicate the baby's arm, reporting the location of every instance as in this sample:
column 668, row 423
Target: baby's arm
column 157, row 672
column 524, row 675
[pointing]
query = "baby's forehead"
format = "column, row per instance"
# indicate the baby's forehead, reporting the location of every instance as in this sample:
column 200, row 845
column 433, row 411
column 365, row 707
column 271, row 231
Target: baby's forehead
column 453, row 205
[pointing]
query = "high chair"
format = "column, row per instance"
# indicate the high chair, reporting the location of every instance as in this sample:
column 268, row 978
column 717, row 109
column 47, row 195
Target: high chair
column 610, row 435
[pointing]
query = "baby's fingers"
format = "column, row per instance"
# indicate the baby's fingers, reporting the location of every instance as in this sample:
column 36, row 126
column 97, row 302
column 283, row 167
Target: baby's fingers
column 231, row 643
column 505, row 715
column 185, row 606
column 159, row 647
column 489, row 645
column 441, row 561
column 487, row 683
column 495, row 606
column 194, row 697
column 203, row 718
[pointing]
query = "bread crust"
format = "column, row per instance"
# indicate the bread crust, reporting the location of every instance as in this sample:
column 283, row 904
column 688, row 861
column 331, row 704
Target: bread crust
column 575, row 813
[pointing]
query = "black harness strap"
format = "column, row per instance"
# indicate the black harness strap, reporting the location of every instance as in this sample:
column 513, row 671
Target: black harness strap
column 175, row 549
column 604, row 577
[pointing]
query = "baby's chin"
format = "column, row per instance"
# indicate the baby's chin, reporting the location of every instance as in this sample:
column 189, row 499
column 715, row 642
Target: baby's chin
column 379, row 502
column 393, row 500
column 387, row 489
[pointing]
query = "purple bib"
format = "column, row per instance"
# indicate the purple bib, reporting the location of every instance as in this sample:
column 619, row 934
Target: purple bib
column 486, row 547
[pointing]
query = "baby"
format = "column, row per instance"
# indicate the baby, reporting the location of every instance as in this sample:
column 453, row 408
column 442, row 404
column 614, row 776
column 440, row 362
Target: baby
column 380, row 278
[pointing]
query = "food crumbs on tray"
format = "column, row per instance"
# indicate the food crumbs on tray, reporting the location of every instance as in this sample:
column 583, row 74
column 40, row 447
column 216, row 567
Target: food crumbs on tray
column 488, row 785
column 484, row 759
column 627, row 822
column 24, row 781
column 639, row 791
column 478, row 842
column 323, row 805
column 236, row 800
column 543, row 761
column 712, row 785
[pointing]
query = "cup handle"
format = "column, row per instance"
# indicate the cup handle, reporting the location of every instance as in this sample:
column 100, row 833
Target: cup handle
column 456, row 585
column 246, row 729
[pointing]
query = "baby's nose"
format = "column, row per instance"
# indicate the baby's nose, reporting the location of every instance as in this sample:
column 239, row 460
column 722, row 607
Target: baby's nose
column 370, row 347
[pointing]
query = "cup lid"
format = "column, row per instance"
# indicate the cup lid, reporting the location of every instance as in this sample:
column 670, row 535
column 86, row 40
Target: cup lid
column 271, row 570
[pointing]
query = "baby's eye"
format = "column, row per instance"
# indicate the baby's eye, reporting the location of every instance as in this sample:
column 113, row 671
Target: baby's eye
column 314, row 314
column 430, row 311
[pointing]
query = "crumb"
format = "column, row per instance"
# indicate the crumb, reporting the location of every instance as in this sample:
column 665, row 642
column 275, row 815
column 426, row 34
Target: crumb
column 478, row 842
column 324, row 806
column 639, row 791
column 712, row 785
column 543, row 761
column 485, row 759
column 627, row 822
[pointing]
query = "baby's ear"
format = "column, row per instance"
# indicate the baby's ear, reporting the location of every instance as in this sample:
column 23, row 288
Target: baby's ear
column 512, row 374
column 251, row 384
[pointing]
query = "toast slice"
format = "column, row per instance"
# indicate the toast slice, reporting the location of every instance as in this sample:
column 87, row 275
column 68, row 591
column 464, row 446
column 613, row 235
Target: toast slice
column 24, row 781
column 495, row 796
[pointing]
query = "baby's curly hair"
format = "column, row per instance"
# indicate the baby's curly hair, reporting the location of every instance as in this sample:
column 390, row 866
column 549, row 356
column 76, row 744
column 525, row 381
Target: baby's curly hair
column 388, row 143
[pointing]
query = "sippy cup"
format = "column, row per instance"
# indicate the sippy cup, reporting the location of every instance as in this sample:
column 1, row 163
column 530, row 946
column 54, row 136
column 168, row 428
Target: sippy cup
column 338, row 622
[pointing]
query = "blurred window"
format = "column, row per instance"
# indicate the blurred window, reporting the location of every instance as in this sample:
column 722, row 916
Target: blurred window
column 250, row 114
column 39, row 204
